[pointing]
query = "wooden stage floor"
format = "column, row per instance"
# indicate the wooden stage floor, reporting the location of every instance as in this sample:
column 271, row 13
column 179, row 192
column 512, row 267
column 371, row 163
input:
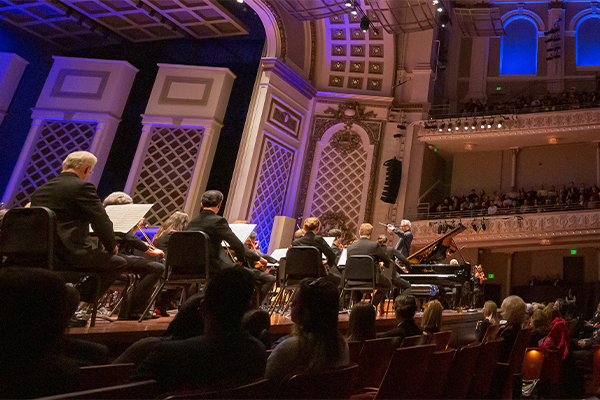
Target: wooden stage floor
column 118, row 335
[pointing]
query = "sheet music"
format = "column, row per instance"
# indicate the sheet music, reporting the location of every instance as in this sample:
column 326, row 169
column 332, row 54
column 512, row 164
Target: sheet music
column 279, row 253
column 242, row 231
column 125, row 216
column 343, row 257
column 329, row 240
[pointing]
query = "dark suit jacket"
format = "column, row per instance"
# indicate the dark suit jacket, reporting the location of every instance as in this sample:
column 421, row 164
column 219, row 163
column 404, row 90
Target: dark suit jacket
column 395, row 253
column 217, row 229
column 76, row 205
column 366, row 247
column 403, row 330
column 310, row 239
column 404, row 242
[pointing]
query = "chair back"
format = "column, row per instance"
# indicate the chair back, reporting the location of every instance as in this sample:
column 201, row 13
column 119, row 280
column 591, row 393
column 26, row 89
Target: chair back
column 254, row 390
column 532, row 363
column 417, row 340
column 188, row 255
column 355, row 347
column 28, row 237
column 459, row 377
column 404, row 377
column 136, row 390
column 333, row 384
column 97, row 376
column 596, row 367
column 441, row 340
column 373, row 361
column 491, row 332
column 515, row 361
column 303, row 262
column 360, row 268
column 439, row 366
column 484, row 369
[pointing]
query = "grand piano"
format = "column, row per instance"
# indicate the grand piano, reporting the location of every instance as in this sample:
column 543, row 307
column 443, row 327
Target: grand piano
column 426, row 269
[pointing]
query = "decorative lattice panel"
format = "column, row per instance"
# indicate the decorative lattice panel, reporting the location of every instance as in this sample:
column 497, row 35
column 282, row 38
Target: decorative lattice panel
column 340, row 182
column 167, row 169
column 56, row 139
column 271, row 189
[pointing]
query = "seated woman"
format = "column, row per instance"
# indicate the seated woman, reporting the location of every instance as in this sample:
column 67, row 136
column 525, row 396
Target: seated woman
column 490, row 317
column 316, row 344
column 513, row 311
column 175, row 223
column 432, row 317
column 361, row 323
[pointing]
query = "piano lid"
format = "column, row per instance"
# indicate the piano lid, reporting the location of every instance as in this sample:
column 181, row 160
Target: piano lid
column 438, row 250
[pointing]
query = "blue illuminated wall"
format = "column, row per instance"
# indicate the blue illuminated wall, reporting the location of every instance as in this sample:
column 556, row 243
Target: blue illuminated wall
column 519, row 47
column 588, row 41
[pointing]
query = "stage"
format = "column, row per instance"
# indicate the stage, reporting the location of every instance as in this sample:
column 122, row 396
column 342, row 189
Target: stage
column 118, row 335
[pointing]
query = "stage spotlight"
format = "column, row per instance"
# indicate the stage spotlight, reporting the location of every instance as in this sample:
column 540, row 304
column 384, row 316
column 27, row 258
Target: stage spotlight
column 434, row 2
column 444, row 19
column 348, row 4
column 440, row 9
column 483, row 226
column 474, row 124
column 240, row 1
column 482, row 124
column 353, row 12
column 489, row 124
column 457, row 127
column 439, row 229
column 474, row 226
column 442, row 126
column 364, row 23
column 500, row 121
column 449, row 127
column 446, row 227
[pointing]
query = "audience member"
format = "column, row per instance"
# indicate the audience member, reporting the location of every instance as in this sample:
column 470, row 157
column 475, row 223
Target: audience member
column 361, row 323
column 257, row 323
column 490, row 317
column 316, row 344
column 405, row 307
column 513, row 311
column 540, row 326
column 224, row 353
column 34, row 315
column 431, row 322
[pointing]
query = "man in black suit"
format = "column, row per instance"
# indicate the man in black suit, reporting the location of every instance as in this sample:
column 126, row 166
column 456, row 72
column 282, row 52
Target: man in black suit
column 366, row 247
column 77, row 206
column 405, row 236
column 217, row 229
column 405, row 307
column 398, row 266
column 336, row 247
column 312, row 226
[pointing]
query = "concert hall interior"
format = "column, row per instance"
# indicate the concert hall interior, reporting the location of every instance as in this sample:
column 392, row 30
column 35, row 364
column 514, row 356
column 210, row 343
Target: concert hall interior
column 480, row 113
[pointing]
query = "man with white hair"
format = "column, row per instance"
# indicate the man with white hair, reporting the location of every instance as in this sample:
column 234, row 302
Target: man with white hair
column 405, row 235
column 77, row 206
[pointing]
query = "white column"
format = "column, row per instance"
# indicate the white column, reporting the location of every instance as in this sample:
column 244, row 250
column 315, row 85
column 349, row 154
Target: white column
column 509, row 264
column 11, row 70
column 513, row 173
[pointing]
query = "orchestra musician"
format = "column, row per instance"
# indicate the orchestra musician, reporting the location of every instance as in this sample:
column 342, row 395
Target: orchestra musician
column 478, row 281
column 217, row 229
column 336, row 246
column 394, row 254
column 311, row 227
column 77, row 206
column 298, row 234
column 366, row 247
column 253, row 245
column 149, row 271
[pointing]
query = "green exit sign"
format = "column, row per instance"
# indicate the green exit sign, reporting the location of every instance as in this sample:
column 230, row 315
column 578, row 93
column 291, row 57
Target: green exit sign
column 498, row 88
column 573, row 252
column 490, row 276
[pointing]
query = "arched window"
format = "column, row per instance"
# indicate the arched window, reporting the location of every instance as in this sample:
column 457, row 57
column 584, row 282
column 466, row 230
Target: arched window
column 518, row 50
column 588, row 41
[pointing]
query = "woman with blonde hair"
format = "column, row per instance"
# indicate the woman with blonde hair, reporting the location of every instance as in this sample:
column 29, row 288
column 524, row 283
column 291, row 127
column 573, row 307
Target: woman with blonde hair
column 513, row 311
column 432, row 317
column 490, row 317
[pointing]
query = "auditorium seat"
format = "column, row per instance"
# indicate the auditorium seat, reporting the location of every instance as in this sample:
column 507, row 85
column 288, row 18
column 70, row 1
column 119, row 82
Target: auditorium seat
column 439, row 366
column 333, row 384
column 254, row 390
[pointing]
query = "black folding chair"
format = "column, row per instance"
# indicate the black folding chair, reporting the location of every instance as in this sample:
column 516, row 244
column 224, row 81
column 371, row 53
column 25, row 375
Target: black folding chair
column 301, row 262
column 187, row 262
column 359, row 275
column 28, row 239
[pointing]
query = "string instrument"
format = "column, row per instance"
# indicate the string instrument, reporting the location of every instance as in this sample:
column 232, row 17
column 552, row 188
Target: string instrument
column 480, row 274
column 139, row 227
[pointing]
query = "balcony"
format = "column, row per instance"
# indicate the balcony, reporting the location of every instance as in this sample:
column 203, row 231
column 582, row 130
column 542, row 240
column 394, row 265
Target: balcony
column 519, row 231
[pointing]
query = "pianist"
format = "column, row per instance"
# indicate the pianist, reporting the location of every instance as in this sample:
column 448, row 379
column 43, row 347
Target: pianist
column 393, row 253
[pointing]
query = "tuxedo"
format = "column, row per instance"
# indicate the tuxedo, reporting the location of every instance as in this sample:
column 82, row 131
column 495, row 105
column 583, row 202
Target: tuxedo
column 366, row 247
column 217, row 229
column 77, row 206
column 310, row 239
column 403, row 244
